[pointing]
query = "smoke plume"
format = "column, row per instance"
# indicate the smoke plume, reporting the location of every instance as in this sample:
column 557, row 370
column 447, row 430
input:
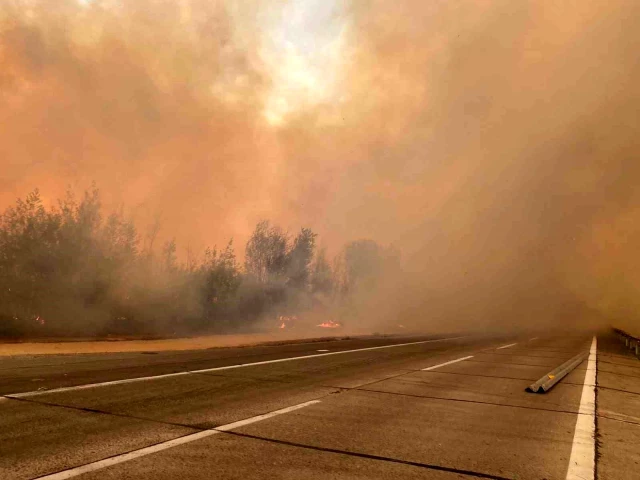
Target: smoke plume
column 493, row 143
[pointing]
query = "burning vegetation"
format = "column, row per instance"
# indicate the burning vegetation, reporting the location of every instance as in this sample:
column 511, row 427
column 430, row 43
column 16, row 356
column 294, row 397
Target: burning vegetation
column 329, row 324
column 72, row 270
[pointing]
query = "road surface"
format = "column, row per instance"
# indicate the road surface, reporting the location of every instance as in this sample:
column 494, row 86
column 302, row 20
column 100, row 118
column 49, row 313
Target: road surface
column 419, row 407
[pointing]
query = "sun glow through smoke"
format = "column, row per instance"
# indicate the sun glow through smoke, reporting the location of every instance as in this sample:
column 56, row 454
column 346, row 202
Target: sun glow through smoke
column 303, row 47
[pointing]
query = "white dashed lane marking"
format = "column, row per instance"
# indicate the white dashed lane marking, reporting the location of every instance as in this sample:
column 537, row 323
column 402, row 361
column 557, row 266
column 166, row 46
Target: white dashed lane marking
column 447, row 363
column 125, row 457
column 216, row 369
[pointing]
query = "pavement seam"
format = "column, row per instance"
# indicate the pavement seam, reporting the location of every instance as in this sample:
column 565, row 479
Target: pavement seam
column 371, row 457
column 619, row 420
column 619, row 390
column 618, row 374
column 242, row 377
column 626, row 357
column 104, row 412
column 621, row 364
column 498, row 396
column 559, row 350
column 556, row 357
column 510, row 363
column 479, row 402
column 494, row 376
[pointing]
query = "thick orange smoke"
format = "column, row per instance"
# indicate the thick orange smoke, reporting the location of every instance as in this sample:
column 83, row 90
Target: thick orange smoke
column 493, row 142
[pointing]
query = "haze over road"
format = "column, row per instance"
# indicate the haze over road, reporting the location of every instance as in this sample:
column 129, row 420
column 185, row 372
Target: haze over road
column 418, row 407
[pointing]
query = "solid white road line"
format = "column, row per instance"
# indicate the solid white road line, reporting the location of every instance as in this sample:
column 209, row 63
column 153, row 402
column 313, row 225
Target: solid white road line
column 447, row 363
column 125, row 457
column 216, row 369
column 582, row 463
column 506, row 346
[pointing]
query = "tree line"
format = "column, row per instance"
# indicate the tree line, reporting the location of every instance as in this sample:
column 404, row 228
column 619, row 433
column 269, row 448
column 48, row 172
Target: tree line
column 71, row 270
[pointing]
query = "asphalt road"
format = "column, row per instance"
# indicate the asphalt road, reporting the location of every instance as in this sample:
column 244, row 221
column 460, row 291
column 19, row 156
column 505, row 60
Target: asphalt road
column 357, row 408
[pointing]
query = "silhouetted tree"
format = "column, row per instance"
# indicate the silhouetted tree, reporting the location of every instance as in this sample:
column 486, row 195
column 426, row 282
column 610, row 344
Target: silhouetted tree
column 70, row 270
column 220, row 281
column 321, row 275
column 299, row 259
column 266, row 253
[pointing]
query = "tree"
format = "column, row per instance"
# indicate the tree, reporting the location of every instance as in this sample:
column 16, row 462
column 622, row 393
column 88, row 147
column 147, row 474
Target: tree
column 29, row 236
column 169, row 257
column 266, row 253
column 322, row 275
column 363, row 263
column 220, row 281
column 299, row 259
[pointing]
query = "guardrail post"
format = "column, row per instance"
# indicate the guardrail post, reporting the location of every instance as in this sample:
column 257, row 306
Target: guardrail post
column 631, row 342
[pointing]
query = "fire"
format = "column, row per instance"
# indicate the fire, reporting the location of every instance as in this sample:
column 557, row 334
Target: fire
column 286, row 322
column 329, row 324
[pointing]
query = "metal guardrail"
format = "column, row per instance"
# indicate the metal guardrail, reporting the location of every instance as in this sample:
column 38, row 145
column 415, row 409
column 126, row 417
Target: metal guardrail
column 547, row 382
column 631, row 342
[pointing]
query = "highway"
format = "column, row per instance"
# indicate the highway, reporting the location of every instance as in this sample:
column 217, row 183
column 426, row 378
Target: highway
column 446, row 407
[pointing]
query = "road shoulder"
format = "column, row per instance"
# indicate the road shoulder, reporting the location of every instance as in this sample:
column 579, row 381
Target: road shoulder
column 618, row 410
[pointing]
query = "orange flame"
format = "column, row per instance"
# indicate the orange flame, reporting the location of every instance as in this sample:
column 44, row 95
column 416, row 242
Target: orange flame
column 286, row 321
column 329, row 324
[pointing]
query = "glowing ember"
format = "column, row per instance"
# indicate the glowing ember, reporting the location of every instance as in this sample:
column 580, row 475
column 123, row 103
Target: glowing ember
column 329, row 324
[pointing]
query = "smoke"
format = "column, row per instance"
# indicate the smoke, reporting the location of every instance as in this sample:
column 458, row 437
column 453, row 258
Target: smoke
column 158, row 102
column 493, row 143
column 521, row 154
